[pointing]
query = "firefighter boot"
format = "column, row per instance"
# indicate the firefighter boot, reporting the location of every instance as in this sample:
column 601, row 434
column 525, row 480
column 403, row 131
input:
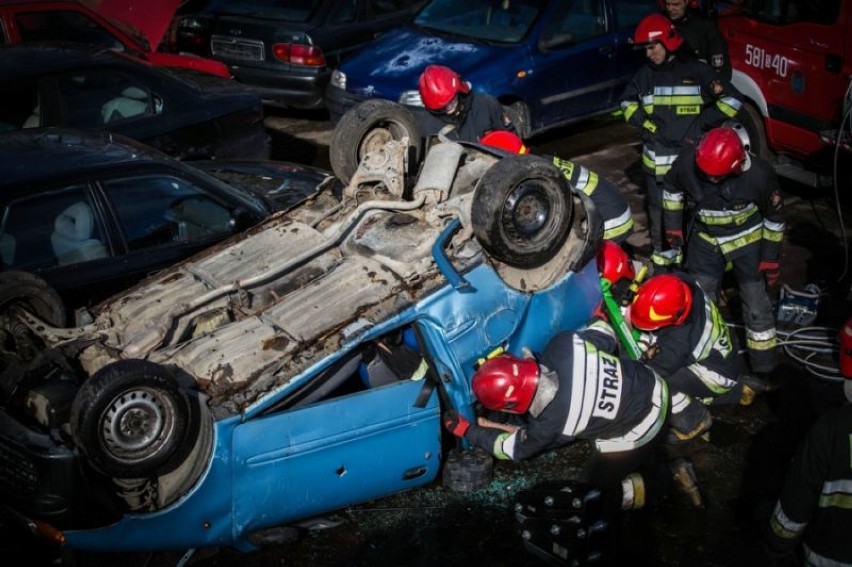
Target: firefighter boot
column 753, row 386
column 690, row 423
column 686, row 482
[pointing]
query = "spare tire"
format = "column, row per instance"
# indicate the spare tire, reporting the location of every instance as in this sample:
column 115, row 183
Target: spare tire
column 522, row 211
column 368, row 126
column 133, row 420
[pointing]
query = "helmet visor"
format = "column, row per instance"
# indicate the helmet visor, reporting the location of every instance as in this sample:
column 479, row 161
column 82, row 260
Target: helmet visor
column 450, row 108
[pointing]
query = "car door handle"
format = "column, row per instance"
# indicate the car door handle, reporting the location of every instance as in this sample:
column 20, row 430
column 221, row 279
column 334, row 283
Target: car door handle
column 606, row 50
column 416, row 472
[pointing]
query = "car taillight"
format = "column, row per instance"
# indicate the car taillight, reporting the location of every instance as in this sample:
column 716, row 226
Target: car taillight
column 299, row 54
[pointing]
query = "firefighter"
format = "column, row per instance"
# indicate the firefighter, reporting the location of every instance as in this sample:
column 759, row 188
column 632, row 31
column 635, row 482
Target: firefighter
column 608, row 200
column 686, row 341
column 578, row 390
column 736, row 217
column 700, row 33
column 815, row 506
column 450, row 101
column 672, row 100
column 619, row 269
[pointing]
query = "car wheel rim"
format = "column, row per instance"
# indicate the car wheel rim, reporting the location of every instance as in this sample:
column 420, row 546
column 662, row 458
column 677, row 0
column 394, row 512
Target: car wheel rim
column 526, row 211
column 379, row 136
column 137, row 424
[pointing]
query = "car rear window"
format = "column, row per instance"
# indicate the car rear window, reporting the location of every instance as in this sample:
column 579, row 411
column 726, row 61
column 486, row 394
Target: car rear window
column 505, row 21
column 287, row 10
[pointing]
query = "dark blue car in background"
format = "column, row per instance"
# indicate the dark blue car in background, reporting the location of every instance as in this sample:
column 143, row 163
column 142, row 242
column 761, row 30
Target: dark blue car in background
column 551, row 62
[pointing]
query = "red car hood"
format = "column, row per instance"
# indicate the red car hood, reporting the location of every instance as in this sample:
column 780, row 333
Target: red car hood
column 147, row 18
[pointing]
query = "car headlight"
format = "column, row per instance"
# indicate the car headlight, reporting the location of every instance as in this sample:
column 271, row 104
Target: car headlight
column 338, row 79
column 410, row 98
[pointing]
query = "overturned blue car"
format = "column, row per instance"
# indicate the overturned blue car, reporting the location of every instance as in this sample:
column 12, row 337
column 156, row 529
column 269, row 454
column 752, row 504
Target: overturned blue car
column 296, row 368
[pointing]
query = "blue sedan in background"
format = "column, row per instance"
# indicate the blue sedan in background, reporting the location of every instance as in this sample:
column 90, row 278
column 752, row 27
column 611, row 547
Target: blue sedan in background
column 550, row 62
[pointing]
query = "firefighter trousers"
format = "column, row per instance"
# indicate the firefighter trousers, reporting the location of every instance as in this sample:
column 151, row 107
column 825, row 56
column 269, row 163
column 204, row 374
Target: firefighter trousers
column 707, row 263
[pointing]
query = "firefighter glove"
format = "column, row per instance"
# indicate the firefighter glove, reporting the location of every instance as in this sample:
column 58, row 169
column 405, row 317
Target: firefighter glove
column 455, row 424
column 771, row 270
column 674, row 238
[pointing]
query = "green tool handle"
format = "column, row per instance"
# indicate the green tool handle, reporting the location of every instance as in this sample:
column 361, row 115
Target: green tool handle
column 616, row 319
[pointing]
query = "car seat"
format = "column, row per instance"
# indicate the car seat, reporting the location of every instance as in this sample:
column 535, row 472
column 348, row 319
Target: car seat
column 132, row 102
column 72, row 235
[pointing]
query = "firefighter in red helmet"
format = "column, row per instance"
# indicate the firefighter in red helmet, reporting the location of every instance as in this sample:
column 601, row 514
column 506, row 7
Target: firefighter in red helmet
column 685, row 340
column 667, row 122
column 577, row 390
column 450, row 100
column 736, row 217
column 607, row 198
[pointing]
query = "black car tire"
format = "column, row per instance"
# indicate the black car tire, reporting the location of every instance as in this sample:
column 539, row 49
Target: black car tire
column 370, row 125
column 133, row 420
column 37, row 294
column 522, row 210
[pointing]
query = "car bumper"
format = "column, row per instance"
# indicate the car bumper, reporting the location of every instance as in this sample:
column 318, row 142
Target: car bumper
column 278, row 88
column 338, row 101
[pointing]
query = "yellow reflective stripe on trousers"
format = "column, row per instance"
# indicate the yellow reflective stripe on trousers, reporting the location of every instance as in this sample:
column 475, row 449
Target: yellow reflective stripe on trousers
column 672, row 201
column 730, row 243
column 760, row 340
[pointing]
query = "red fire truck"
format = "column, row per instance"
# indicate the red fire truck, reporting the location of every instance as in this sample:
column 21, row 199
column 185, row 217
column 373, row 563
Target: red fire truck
column 792, row 60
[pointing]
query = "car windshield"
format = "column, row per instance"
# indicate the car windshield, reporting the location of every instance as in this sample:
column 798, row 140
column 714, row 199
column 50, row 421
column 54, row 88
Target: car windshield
column 505, row 21
column 287, row 10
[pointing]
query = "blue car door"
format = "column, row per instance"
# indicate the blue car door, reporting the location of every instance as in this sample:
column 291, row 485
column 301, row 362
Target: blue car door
column 341, row 450
column 574, row 62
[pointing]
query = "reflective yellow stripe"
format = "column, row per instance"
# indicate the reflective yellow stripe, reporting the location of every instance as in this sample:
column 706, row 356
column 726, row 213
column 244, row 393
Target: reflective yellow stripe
column 729, row 106
column 784, row 527
column 679, row 100
column 772, row 235
column 729, row 244
column 501, row 452
column 720, row 218
column 616, row 227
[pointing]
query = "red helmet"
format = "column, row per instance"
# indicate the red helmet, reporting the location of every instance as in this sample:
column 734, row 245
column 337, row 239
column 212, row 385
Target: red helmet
column 506, row 383
column 439, row 85
column 504, row 140
column 614, row 264
column 720, row 152
column 657, row 28
column 661, row 301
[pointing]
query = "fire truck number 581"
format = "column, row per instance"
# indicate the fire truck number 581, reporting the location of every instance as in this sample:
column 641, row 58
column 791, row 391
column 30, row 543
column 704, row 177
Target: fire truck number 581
column 758, row 57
